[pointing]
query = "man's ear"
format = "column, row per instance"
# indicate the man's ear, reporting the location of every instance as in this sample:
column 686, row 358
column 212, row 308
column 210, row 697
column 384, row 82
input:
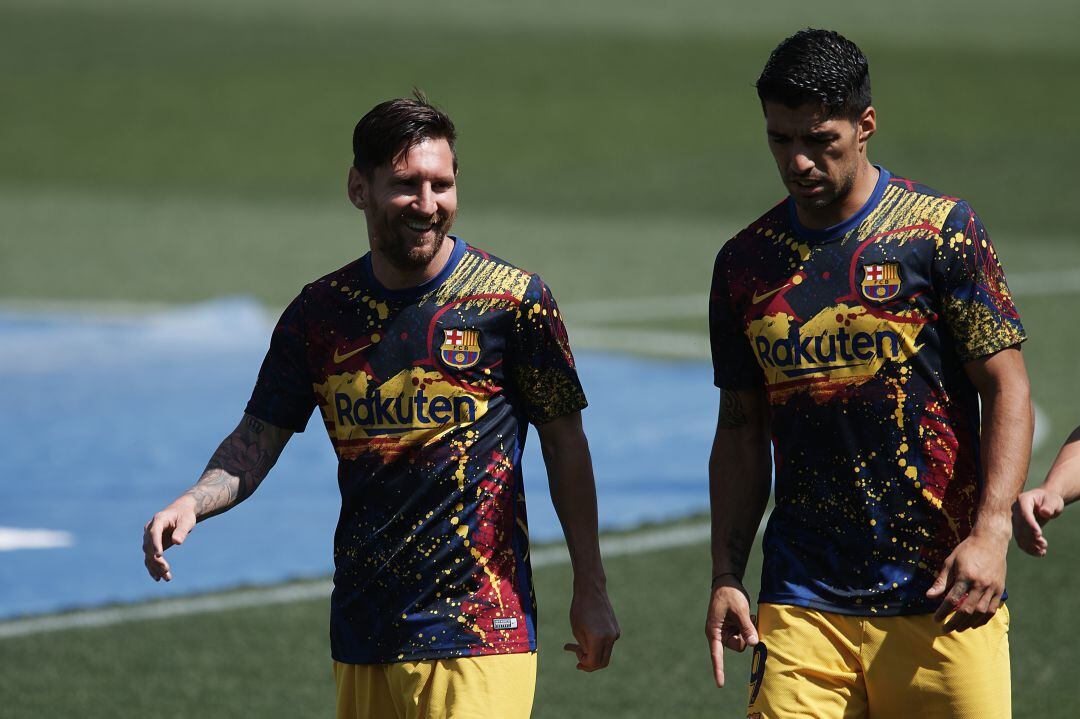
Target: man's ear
column 866, row 125
column 357, row 189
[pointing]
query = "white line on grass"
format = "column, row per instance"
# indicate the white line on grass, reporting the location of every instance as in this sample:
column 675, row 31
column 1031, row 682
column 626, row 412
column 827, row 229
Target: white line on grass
column 647, row 541
column 12, row 538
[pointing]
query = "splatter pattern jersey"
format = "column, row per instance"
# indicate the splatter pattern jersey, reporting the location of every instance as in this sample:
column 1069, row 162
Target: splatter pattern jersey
column 860, row 333
column 426, row 395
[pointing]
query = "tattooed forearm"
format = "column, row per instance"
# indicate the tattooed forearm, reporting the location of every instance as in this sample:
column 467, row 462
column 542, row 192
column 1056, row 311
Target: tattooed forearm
column 732, row 415
column 238, row 466
column 215, row 492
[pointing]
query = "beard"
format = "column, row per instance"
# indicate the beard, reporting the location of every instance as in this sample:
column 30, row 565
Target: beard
column 403, row 248
column 837, row 193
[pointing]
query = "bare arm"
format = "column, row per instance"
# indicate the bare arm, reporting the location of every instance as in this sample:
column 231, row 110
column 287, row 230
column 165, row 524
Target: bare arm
column 973, row 577
column 573, row 492
column 740, row 468
column 1036, row 507
column 234, row 471
column 1064, row 477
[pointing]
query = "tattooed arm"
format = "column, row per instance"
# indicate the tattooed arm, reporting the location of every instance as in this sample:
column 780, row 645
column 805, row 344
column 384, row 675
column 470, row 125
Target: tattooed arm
column 233, row 473
column 739, row 483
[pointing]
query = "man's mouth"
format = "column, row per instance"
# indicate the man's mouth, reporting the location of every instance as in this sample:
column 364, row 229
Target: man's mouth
column 807, row 187
column 422, row 226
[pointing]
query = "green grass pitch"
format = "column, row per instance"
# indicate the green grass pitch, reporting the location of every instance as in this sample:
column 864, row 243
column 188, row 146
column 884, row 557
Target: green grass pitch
column 165, row 152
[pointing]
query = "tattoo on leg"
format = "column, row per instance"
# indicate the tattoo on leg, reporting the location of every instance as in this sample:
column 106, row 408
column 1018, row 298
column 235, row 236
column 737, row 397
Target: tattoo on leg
column 732, row 415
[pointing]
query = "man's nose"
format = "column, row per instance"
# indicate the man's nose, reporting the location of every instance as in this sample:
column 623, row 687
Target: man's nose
column 425, row 201
column 801, row 162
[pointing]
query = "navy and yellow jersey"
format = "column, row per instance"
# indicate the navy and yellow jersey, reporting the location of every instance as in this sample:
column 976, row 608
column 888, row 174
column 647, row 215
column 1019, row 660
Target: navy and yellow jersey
column 859, row 333
column 426, row 394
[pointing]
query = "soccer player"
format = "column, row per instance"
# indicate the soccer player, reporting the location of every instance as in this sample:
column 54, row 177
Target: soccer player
column 856, row 326
column 426, row 358
column 1036, row 507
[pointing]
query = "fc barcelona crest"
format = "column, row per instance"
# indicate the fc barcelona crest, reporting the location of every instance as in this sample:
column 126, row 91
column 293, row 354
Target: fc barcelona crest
column 460, row 348
column 881, row 282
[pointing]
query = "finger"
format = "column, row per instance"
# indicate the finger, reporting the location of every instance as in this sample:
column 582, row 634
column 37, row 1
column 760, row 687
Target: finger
column 982, row 613
column 576, row 650
column 1045, row 510
column 962, row 601
column 147, row 540
column 184, row 526
column 151, row 569
column 605, row 656
column 941, row 582
column 952, row 599
column 155, row 531
column 732, row 639
column 158, row 568
column 1027, row 512
column 995, row 604
column 590, row 659
column 716, row 651
column 749, row 631
column 967, row 614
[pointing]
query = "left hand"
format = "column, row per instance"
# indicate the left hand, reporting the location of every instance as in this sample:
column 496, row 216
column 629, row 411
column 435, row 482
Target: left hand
column 971, row 581
column 595, row 628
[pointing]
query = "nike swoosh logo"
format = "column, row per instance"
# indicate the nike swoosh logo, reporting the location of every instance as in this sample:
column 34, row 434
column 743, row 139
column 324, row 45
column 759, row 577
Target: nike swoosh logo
column 759, row 298
column 341, row 358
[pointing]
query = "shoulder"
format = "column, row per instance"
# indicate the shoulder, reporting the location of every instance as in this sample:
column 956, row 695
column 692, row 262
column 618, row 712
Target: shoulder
column 481, row 274
column 754, row 240
column 342, row 282
column 316, row 300
column 924, row 203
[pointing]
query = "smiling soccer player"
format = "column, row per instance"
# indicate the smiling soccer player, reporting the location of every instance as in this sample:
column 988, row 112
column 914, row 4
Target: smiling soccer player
column 428, row 359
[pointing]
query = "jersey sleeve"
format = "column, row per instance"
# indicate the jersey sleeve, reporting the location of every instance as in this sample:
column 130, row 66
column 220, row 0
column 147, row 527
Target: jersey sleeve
column 284, row 394
column 734, row 365
column 542, row 367
column 975, row 301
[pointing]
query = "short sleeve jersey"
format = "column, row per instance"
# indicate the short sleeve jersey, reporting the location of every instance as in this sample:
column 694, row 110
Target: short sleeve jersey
column 859, row 333
column 426, row 395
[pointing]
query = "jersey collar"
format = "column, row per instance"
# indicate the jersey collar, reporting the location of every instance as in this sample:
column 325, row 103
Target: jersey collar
column 412, row 293
column 839, row 230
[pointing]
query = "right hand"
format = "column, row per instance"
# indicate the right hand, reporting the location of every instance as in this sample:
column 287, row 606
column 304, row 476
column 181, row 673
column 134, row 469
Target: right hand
column 729, row 622
column 1032, row 510
column 168, row 527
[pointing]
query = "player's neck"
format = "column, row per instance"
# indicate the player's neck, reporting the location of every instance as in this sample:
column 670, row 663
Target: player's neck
column 866, row 179
column 393, row 277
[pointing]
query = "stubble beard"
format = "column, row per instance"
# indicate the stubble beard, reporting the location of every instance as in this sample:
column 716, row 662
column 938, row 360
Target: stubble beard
column 404, row 250
column 843, row 189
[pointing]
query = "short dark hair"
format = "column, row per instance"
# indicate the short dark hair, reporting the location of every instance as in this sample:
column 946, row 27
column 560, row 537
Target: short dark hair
column 392, row 128
column 819, row 67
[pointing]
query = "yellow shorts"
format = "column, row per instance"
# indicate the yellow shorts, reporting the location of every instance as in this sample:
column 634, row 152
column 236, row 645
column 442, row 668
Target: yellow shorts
column 832, row 666
column 496, row 685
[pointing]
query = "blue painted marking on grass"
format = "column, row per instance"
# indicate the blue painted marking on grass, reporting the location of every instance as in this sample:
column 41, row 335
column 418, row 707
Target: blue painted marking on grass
column 104, row 421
